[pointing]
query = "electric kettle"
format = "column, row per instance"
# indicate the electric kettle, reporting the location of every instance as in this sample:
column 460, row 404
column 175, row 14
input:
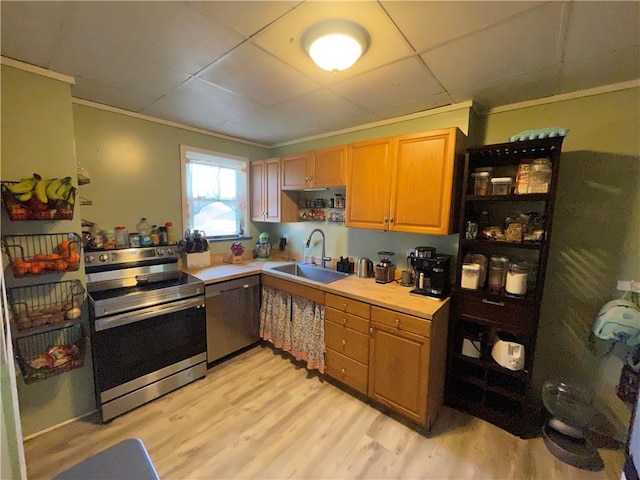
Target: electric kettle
column 365, row 268
column 508, row 354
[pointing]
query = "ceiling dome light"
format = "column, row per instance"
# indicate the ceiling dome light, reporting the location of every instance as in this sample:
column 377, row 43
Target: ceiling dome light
column 335, row 45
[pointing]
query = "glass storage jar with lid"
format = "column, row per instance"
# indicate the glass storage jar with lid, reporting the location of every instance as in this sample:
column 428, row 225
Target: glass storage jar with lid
column 540, row 176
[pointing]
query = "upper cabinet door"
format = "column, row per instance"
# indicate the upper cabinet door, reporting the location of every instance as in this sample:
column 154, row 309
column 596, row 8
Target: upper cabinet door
column 272, row 190
column 295, row 174
column 369, row 184
column 328, row 167
column 425, row 184
column 257, row 190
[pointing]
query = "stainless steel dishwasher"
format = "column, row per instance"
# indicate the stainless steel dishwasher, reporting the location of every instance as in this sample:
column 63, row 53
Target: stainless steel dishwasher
column 233, row 316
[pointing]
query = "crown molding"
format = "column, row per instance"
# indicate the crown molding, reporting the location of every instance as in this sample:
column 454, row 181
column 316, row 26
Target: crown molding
column 27, row 67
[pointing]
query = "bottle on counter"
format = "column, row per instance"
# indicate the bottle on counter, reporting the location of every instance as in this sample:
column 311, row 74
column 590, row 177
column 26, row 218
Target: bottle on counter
column 164, row 239
column 144, row 232
column 171, row 239
column 155, row 235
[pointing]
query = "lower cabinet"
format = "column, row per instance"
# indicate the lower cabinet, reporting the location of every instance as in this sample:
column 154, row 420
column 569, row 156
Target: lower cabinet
column 396, row 359
column 346, row 334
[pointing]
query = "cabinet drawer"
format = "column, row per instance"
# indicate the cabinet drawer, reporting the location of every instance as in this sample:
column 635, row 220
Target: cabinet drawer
column 347, row 320
column 346, row 370
column 348, row 342
column 348, row 305
column 407, row 323
column 503, row 313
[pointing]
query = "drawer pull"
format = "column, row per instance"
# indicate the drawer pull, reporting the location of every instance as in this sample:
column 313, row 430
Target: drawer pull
column 343, row 370
column 344, row 342
column 344, row 306
column 397, row 323
column 344, row 321
column 490, row 302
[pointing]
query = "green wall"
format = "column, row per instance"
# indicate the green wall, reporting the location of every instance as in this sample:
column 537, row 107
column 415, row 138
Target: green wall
column 38, row 137
column 135, row 167
column 596, row 232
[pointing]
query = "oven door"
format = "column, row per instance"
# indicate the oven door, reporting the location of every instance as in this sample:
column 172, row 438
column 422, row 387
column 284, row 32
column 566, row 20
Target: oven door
column 135, row 349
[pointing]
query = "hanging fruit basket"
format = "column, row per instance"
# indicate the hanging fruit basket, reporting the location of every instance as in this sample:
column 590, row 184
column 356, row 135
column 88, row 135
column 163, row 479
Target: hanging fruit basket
column 37, row 308
column 51, row 353
column 43, row 254
column 36, row 198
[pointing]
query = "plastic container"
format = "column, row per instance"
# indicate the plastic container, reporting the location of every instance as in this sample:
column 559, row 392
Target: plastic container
column 470, row 276
column 480, row 182
column 516, row 281
column 134, row 240
column 122, row 237
column 539, row 176
column 144, row 232
column 164, row 238
column 501, row 185
column 109, row 237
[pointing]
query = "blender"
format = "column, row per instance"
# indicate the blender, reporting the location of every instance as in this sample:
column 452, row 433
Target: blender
column 385, row 269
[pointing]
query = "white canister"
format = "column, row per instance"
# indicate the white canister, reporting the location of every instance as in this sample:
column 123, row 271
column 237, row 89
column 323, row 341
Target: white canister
column 470, row 276
column 516, row 282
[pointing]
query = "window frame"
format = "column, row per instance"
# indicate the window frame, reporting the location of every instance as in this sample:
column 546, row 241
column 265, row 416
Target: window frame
column 187, row 152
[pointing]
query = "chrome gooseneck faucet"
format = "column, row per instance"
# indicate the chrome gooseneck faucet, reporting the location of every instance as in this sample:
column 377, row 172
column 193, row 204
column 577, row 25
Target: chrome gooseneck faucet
column 324, row 257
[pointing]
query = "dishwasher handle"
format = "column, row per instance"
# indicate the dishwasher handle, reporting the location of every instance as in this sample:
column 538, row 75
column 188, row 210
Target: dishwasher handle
column 217, row 289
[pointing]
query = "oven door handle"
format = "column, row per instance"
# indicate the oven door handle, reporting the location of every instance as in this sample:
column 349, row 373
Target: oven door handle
column 144, row 314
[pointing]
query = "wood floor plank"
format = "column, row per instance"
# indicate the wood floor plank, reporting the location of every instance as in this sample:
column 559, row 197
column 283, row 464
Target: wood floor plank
column 261, row 415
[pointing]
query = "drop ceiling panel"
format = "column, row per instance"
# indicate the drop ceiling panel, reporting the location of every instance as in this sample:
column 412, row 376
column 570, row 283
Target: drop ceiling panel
column 269, row 125
column 396, row 89
column 283, row 38
column 245, row 17
column 249, row 72
column 199, row 103
column 486, row 56
column 429, row 24
column 86, row 57
column 37, row 22
column 171, row 33
column 597, row 28
column 108, row 95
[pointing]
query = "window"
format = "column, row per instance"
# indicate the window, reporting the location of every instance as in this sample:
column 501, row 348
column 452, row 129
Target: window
column 214, row 192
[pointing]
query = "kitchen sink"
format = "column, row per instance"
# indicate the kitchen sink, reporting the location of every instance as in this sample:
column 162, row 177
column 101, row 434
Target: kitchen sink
column 310, row 272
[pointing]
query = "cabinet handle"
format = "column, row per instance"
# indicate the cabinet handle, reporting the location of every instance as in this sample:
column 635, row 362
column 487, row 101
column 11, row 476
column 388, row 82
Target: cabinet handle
column 344, row 342
column 344, row 306
column 385, row 219
column 390, row 219
column 343, row 370
column 344, row 321
column 397, row 323
column 490, row 302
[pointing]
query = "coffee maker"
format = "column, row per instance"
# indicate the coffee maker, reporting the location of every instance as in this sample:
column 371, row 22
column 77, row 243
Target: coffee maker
column 432, row 276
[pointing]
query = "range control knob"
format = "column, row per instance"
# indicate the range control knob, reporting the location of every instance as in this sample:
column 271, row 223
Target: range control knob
column 159, row 252
column 169, row 251
column 88, row 259
column 103, row 257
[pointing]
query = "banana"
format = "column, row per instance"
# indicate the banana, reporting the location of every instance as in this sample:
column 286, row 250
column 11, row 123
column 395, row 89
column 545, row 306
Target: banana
column 53, row 185
column 41, row 190
column 25, row 197
column 65, row 189
column 23, row 186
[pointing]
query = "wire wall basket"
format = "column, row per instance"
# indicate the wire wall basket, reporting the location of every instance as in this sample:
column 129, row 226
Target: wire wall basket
column 40, row 307
column 43, row 253
column 44, row 355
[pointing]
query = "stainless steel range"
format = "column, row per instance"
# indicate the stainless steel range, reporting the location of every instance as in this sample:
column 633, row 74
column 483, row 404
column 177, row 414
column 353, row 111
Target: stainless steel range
column 148, row 326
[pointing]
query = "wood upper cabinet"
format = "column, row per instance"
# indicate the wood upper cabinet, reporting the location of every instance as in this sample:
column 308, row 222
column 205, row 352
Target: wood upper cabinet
column 426, row 180
column 407, row 183
column 268, row 202
column 318, row 169
column 369, row 184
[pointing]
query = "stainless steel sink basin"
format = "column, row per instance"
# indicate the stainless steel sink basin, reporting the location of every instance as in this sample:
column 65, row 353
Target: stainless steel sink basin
column 311, row 272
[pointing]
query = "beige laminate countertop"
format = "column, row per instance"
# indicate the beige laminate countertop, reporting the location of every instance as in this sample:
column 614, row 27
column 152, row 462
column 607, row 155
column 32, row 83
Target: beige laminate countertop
column 390, row 295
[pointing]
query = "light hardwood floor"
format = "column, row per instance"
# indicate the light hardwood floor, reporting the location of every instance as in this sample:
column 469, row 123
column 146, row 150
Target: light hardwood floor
column 261, row 416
